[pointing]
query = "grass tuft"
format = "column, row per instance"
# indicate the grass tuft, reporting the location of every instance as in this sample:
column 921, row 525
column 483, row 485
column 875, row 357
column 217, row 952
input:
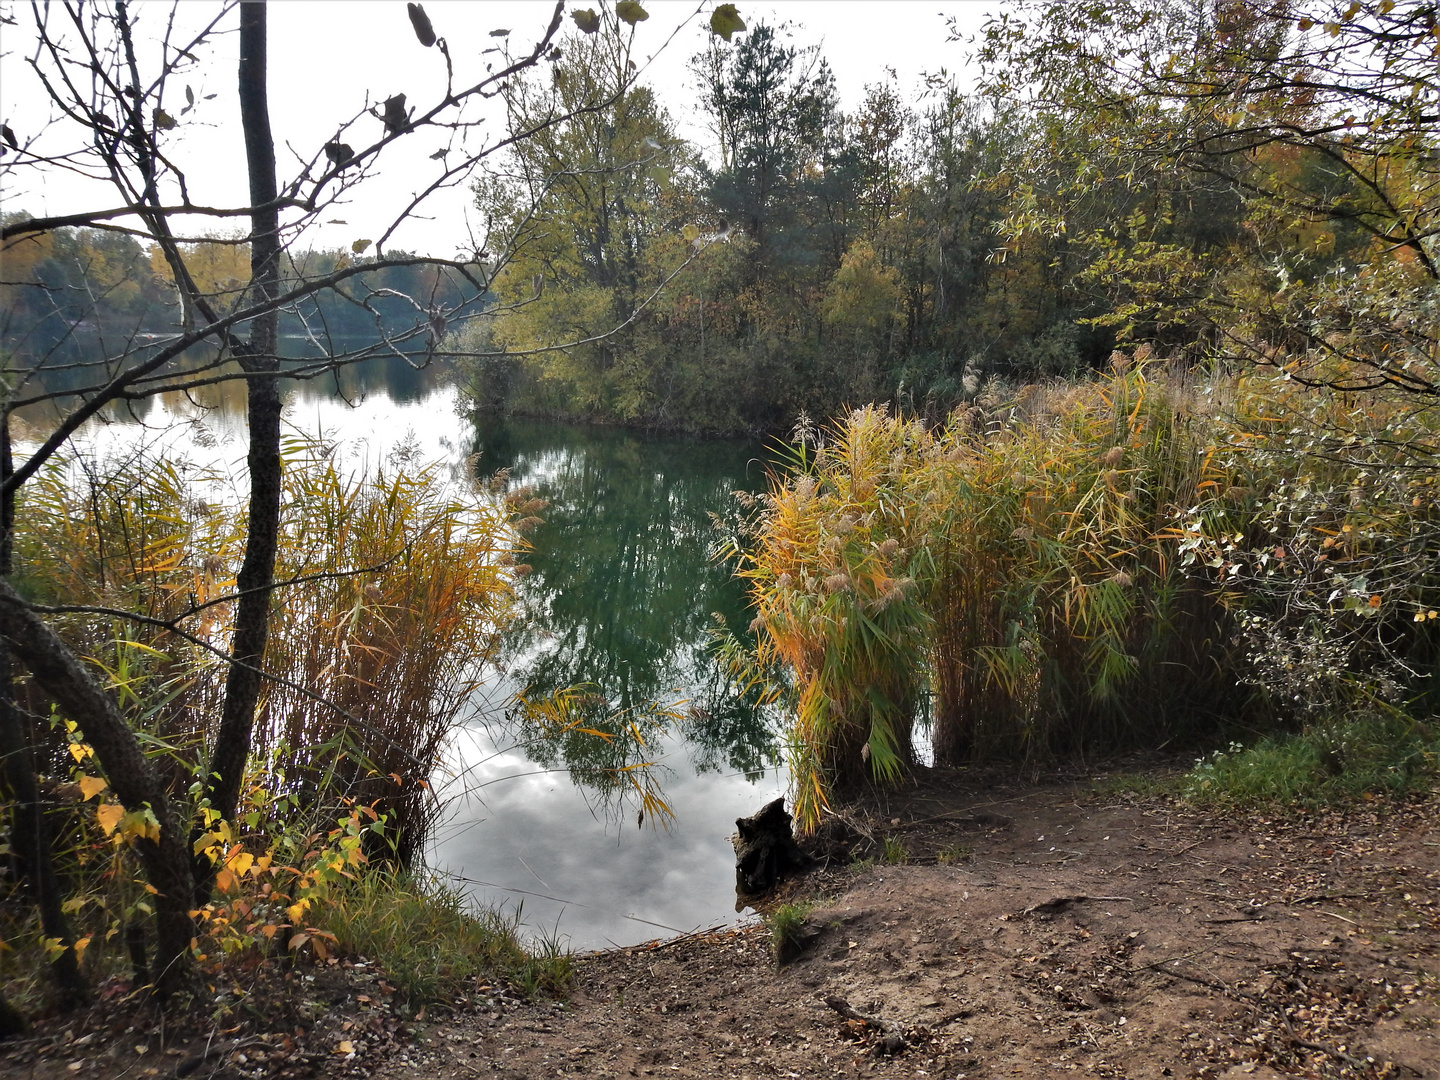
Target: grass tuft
column 954, row 853
column 787, row 924
column 1366, row 756
column 430, row 947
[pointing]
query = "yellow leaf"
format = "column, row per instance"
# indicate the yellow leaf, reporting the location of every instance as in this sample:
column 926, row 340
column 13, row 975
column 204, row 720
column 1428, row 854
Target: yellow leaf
column 345, row 1047
column 80, row 947
column 359, row 246
column 108, row 815
column 151, row 889
column 690, row 232
column 725, row 20
column 296, row 911
column 241, row 863
column 90, row 786
column 78, row 751
column 586, row 20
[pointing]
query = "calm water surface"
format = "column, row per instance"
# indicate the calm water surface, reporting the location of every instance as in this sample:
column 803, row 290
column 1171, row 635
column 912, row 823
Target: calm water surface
column 619, row 599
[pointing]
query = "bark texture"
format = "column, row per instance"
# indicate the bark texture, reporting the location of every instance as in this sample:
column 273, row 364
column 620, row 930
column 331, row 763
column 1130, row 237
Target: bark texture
column 260, row 360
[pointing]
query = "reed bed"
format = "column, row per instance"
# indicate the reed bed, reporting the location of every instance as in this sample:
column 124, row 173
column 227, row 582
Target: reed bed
column 1098, row 565
column 1019, row 572
column 393, row 590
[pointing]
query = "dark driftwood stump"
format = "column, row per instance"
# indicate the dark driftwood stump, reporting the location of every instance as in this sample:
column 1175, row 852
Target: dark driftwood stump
column 765, row 850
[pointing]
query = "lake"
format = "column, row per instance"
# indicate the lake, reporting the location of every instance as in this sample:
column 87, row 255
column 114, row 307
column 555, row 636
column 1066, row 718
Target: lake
column 619, row 598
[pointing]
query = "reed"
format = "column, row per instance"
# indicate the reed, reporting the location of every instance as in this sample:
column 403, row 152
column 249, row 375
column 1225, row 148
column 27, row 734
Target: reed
column 832, row 573
column 394, row 589
column 1064, row 616
column 1023, row 573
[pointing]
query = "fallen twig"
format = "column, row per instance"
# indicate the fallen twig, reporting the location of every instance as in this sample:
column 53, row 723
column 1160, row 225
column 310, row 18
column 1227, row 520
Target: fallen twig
column 194, row 1061
column 1062, row 903
column 841, row 1006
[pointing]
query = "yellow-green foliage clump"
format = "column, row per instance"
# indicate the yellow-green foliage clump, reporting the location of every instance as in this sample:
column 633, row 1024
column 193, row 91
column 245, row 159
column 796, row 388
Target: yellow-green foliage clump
column 1024, row 573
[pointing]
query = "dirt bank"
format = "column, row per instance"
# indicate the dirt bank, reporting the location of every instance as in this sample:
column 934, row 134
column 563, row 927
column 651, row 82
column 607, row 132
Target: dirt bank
column 1076, row 933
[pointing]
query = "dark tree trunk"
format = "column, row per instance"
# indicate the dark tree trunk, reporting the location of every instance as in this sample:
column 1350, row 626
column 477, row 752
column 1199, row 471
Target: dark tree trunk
column 11, row 1022
column 19, row 783
column 34, row 842
column 260, row 361
column 67, row 680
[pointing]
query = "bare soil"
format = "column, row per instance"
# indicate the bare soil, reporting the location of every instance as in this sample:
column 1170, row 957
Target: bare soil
column 1036, row 931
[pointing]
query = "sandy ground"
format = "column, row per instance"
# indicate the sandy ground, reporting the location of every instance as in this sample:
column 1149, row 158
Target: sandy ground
column 1036, row 931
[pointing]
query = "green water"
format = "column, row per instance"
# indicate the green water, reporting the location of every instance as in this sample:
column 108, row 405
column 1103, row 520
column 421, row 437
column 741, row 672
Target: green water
column 624, row 588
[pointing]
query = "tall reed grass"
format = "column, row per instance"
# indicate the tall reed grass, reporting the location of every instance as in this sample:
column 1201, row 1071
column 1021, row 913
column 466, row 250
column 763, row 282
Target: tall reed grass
column 393, row 590
column 1064, row 617
column 833, row 575
column 1022, row 572
column 1099, row 564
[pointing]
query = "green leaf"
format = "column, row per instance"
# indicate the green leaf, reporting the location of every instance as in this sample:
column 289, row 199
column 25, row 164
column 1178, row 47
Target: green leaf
column 586, row 20
column 359, row 246
column 631, row 11
column 163, row 120
column 725, row 20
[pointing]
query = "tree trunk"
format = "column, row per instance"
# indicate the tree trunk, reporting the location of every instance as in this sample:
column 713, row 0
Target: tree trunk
column 260, row 361
column 18, row 780
column 64, row 676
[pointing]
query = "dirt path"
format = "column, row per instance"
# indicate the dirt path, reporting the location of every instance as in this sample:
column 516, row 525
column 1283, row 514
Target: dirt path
column 1083, row 934
column 1080, row 934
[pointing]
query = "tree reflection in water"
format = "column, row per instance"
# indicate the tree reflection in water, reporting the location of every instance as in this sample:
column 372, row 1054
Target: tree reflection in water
column 621, row 595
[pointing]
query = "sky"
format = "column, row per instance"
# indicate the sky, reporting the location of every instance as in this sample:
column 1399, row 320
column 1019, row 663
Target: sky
column 329, row 59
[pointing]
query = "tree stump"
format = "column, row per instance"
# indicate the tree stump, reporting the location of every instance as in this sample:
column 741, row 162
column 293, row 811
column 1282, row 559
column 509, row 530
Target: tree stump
column 765, row 850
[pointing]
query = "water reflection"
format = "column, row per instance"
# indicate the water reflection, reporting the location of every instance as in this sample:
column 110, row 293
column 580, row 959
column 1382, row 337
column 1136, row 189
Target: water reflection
column 623, row 588
column 533, row 840
column 620, row 598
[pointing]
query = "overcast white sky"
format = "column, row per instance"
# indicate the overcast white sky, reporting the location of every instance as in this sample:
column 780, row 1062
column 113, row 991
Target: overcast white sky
column 326, row 57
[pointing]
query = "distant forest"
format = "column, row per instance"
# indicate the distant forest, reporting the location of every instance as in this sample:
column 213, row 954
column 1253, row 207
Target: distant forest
column 62, row 288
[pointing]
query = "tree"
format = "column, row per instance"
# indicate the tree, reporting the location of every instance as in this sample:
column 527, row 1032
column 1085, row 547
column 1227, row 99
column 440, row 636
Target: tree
column 772, row 106
column 594, row 214
column 1263, row 152
column 117, row 101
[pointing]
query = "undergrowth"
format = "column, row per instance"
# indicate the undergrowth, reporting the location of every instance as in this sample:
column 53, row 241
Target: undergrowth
column 1339, row 761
